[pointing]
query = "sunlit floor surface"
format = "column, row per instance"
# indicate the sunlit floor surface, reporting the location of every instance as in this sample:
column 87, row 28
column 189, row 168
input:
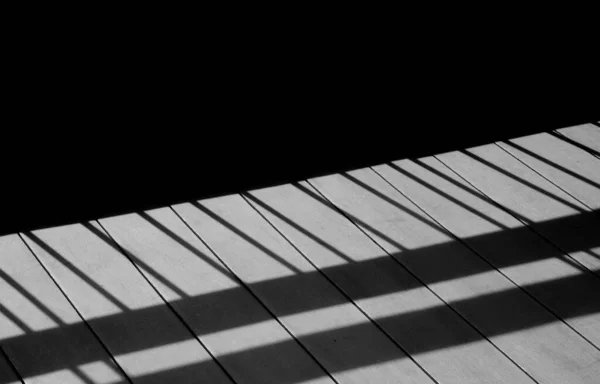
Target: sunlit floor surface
column 474, row 266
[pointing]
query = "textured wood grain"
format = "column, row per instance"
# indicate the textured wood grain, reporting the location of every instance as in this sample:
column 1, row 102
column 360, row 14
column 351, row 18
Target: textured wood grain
column 227, row 318
column 100, row 281
column 339, row 336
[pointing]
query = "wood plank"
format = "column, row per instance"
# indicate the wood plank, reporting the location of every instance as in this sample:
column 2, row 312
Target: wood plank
column 526, row 332
column 7, row 374
column 588, row 135
column 504, row 241
column 447, row 347
column 345, row 342
column 530, row 197
column 100, row 281
column 35, row 305
column 572, row 169
column 234, row 327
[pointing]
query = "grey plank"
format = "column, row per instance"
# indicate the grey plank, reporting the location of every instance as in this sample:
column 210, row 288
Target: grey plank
column 587, row 135
column 7, row 374
column 531, row 198
column 190, row 277
column 35, row 304
column 257, row 253
column 504, row 241
column 100, row 282
column 447, row 347
column 546, row 349
column 570, row 168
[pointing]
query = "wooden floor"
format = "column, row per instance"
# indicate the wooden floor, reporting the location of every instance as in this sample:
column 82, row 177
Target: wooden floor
column 474, row 266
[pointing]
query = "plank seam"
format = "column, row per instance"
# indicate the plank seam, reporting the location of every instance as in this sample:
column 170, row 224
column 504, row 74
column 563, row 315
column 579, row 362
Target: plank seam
column 371, row 320
column 523, row 289
column 563, row 137
column 529, row 224
column 544, row 177
column 423, row 283
column 88, row 326
column 11, row 365
column 177, row 315
column 247, row 288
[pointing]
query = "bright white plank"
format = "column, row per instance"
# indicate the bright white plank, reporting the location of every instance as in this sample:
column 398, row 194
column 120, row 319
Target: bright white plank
column 518, row 252
column 531, row 197
column 100, row 282
column 587, row 135
column 335, row 332
column 549, row 351
column 44, row 343
column 445, row 346
column 226, row 317
column 569, row 167
column 7, row 375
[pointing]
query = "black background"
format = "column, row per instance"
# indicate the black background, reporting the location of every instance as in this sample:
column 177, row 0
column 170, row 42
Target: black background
column 98, row 132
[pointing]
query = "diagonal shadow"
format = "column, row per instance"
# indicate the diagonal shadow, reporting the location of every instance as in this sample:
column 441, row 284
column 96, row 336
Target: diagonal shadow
column 299, row 228
column 66, row 263
column 109, row 241
column 470, row 191
column 241, row 234
column 32, row 299
column 520, row 180
column 355, row 219
column 571, row 307
column 562, row 137
column 445, row 195
column 496, row 309
column 552, row 163
column 558, row 254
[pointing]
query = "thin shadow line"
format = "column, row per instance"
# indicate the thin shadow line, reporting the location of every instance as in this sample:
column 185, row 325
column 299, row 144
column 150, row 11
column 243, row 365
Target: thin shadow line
column 83, row 320
column 542, row 176
column 475, row 193
column 497, row 269
column 253, row 294
column 170, row 306
column 388, row 200
column 519, row 180
column 562, row 137
column 297, row 227
column 552, row 163
column 76, row 271
column 30, row 297
column 566, row 258
column 109, row 241
column 426, row 286
column 326, row 277
column 184, row 244
column 531, row 225
column 349, row 216
column 241, row 234
column 79, row 373
column 486, row 304
column 12, row 317
column 447, row 196
column 593, row 254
